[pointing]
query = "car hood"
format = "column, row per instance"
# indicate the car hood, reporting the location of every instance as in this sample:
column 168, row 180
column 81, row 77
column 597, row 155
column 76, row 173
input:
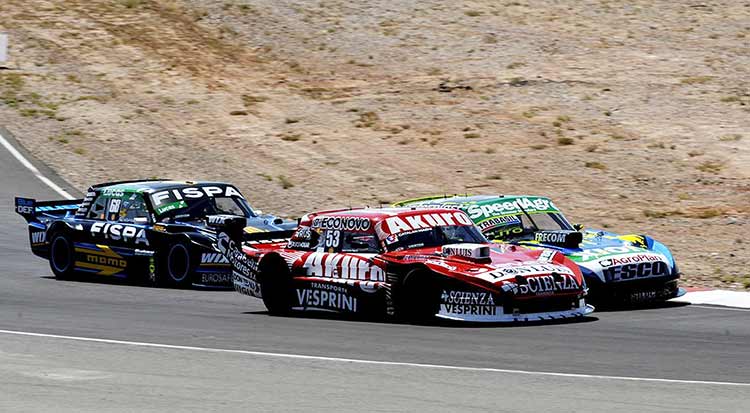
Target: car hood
column 511, row 269
column 258, row 223
column 613, row 257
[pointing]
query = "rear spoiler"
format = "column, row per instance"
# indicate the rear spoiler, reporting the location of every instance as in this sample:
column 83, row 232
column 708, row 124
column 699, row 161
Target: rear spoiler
column 234, row 227
column 30, row 208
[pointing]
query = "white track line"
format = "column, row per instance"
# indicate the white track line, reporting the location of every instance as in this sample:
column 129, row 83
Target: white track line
column 371, row 362
column 25, row 162
column 717, row 307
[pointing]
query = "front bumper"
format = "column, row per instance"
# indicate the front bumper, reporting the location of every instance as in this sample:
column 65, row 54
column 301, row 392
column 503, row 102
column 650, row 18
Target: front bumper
column 634, row 292
column 500, row 314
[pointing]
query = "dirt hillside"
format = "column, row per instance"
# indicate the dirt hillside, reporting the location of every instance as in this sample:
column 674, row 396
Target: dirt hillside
column 633, row 116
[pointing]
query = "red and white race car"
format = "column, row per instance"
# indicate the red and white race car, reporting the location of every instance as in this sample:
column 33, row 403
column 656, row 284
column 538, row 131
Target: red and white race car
column 407, row 263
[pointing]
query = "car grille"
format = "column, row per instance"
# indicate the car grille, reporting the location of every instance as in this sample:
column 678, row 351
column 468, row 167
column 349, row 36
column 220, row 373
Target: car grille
column 540, row 305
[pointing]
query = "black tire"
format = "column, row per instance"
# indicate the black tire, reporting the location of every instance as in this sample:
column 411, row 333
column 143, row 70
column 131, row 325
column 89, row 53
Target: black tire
column 176, row 266
column 418, row 297
column 62, row 256
column 275, row 286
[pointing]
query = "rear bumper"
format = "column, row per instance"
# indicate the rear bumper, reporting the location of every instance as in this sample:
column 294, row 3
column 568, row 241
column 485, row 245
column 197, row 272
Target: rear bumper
column 499, row 316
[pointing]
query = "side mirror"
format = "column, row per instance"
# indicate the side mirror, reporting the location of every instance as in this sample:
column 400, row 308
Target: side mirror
column 578, row 227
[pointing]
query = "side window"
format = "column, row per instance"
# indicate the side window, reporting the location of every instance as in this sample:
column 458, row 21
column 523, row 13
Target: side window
column 330, row 240
column 98, row 208
column 131, row 208
column 360, row 242
column 346, row 241
column 228, row 206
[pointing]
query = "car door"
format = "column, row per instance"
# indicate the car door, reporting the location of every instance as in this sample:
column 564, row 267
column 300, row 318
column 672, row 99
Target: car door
column 344, row 255
column 117, row 225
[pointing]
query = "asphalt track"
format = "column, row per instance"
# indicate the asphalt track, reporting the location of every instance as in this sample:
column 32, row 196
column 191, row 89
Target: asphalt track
column 677, row 358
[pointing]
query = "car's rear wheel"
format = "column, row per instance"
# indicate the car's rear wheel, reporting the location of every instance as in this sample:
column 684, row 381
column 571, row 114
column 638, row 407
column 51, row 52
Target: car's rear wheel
column 418, row 297
column 176, row 266
column 275, row 286
column 62, row 256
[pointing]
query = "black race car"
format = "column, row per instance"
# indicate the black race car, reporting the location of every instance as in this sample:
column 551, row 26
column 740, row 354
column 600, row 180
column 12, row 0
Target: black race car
column 152, row 231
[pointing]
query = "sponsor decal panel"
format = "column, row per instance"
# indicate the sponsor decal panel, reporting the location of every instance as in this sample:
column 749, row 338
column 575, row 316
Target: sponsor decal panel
column 596, row 253
column 467, row 303
column 213, row 258
column 344, row 266
column 100, row 258
column 216, row 278
column 116, row 232
column 344, row 223
column 550, row 237
column 508, row 220
column 38, row 237
column 24, row 206
column 479, row 251
column 326, row 297
column 244, row 285
column 427, row 220
column 170, row 207
column 636, row 271
column 172, row 196
column 530, row 205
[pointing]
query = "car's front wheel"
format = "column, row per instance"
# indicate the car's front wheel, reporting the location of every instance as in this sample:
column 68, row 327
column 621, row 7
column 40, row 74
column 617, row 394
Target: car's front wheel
column 418, row 297
column 176, row 266
column 62, row 256
column 275, row 286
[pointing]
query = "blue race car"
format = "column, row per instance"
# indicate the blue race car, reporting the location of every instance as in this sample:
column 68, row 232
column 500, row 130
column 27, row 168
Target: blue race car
column 618, row 269
column 154, row 231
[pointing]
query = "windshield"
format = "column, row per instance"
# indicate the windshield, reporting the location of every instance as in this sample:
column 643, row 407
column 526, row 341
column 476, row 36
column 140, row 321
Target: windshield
column 434, row 237
column 526, row 225
column 197, row 209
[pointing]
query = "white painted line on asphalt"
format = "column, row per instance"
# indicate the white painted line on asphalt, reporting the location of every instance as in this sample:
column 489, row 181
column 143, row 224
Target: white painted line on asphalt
column 710, row 307
column 725, row 298
column 372, row 362
column 25, row 162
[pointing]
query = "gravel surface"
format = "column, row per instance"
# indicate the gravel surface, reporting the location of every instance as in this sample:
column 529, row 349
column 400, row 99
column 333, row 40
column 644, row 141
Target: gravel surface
column 634, row 116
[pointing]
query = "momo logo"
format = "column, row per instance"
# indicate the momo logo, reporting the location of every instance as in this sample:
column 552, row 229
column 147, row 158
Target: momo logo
column 193, row 192
column 103, row 260
column 342, row 223
column 38, row 237
column 118, row 232
column 213, row 258
column 635, row 271
column 397, row 225
column 529, row 205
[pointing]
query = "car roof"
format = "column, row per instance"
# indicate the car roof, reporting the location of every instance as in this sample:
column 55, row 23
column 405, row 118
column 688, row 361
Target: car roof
column 377, row 214
column 154, row 185
column 464, row 199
